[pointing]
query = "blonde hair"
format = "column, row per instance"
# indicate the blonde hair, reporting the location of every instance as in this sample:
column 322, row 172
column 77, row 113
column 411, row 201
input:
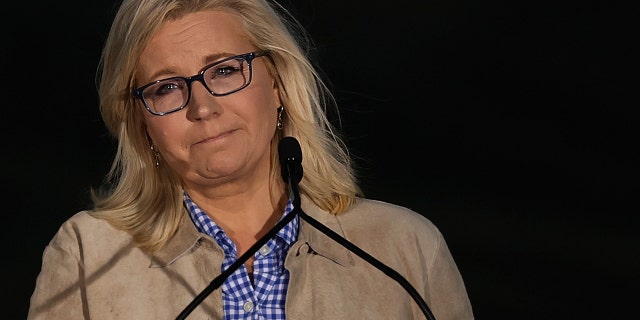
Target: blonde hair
column 147, row 201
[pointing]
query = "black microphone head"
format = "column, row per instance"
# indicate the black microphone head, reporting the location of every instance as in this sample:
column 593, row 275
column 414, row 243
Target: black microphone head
column 290, row 155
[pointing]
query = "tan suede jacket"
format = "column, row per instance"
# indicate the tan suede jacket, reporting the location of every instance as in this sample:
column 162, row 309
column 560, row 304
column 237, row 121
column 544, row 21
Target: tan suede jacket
column 92, row 271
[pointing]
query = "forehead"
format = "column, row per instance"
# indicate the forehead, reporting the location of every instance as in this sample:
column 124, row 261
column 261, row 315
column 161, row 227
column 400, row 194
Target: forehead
column 194, row 37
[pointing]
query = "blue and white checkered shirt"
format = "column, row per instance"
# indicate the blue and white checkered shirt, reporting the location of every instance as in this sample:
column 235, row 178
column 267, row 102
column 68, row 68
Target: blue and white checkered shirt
column 240, row 299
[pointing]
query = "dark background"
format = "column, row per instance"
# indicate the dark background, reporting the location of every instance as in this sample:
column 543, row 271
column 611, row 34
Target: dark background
column 508, row 124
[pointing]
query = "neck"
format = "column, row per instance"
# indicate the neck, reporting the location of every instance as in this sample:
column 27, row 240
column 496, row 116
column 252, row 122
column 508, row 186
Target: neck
column 246, row 215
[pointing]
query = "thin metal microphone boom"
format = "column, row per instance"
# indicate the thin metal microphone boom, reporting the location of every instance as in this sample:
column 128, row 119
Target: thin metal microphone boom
column 219, row 280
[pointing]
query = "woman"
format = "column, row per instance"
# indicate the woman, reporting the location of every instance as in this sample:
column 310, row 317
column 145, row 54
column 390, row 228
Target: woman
column 198, row 95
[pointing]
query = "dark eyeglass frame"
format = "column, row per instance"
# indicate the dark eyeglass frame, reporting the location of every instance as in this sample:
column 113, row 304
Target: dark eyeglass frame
column 137, row 93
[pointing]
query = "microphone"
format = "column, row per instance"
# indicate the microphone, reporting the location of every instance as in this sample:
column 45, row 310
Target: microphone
column 290, row 156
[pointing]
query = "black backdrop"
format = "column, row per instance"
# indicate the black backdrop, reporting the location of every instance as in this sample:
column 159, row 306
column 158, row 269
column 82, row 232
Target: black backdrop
column 504, row 123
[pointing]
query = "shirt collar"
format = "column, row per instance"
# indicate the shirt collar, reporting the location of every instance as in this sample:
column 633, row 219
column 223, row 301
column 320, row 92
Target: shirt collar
column 204, row 224
column 200, row 219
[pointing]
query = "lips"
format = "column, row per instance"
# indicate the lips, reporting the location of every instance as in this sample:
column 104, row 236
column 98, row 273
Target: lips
column 215, row 137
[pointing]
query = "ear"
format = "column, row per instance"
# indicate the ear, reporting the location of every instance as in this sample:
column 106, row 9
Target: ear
column 149, row 140
column 276, row 93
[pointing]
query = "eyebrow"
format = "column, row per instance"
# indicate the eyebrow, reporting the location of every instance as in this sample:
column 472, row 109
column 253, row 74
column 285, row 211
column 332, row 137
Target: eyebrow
column 205, row 61
column 216, row 56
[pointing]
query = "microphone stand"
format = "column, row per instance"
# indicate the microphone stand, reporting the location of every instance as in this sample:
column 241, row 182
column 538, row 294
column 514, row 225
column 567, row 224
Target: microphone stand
column 294, row 194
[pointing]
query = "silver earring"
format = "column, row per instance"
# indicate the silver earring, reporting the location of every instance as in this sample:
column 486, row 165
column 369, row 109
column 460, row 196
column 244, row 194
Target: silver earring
column 157, row 155
column 279, row 125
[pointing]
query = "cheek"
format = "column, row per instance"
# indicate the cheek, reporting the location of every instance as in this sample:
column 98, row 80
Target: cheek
column 268, row 88
column 164, row 133
column 267, row 113
column 270, row 101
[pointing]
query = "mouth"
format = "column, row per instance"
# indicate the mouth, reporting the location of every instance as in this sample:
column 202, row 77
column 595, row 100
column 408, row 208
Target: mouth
column 215, row 138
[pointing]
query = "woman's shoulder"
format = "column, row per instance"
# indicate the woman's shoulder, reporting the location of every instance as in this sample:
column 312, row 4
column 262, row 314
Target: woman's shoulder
column 387, row 211
column 82, row 228
column 378, row 214
column 84, row 221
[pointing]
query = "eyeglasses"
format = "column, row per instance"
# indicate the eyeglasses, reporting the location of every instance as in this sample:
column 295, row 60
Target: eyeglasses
column 221, row 78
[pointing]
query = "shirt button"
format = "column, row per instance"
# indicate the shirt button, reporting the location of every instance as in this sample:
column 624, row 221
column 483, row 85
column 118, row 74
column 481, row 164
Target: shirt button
column 248, row 306
column 265, row 250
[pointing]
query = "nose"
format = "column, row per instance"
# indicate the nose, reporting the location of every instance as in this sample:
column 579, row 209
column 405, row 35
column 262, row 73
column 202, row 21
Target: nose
column 202, row 104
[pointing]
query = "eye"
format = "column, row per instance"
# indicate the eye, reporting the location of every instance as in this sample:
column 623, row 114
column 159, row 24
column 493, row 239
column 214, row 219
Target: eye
column 166, row 87
column 225, row 71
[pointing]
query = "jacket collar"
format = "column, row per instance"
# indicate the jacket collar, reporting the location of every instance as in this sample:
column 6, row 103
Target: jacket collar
column 183, row 241
column 187, row 238
column 317, row 240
